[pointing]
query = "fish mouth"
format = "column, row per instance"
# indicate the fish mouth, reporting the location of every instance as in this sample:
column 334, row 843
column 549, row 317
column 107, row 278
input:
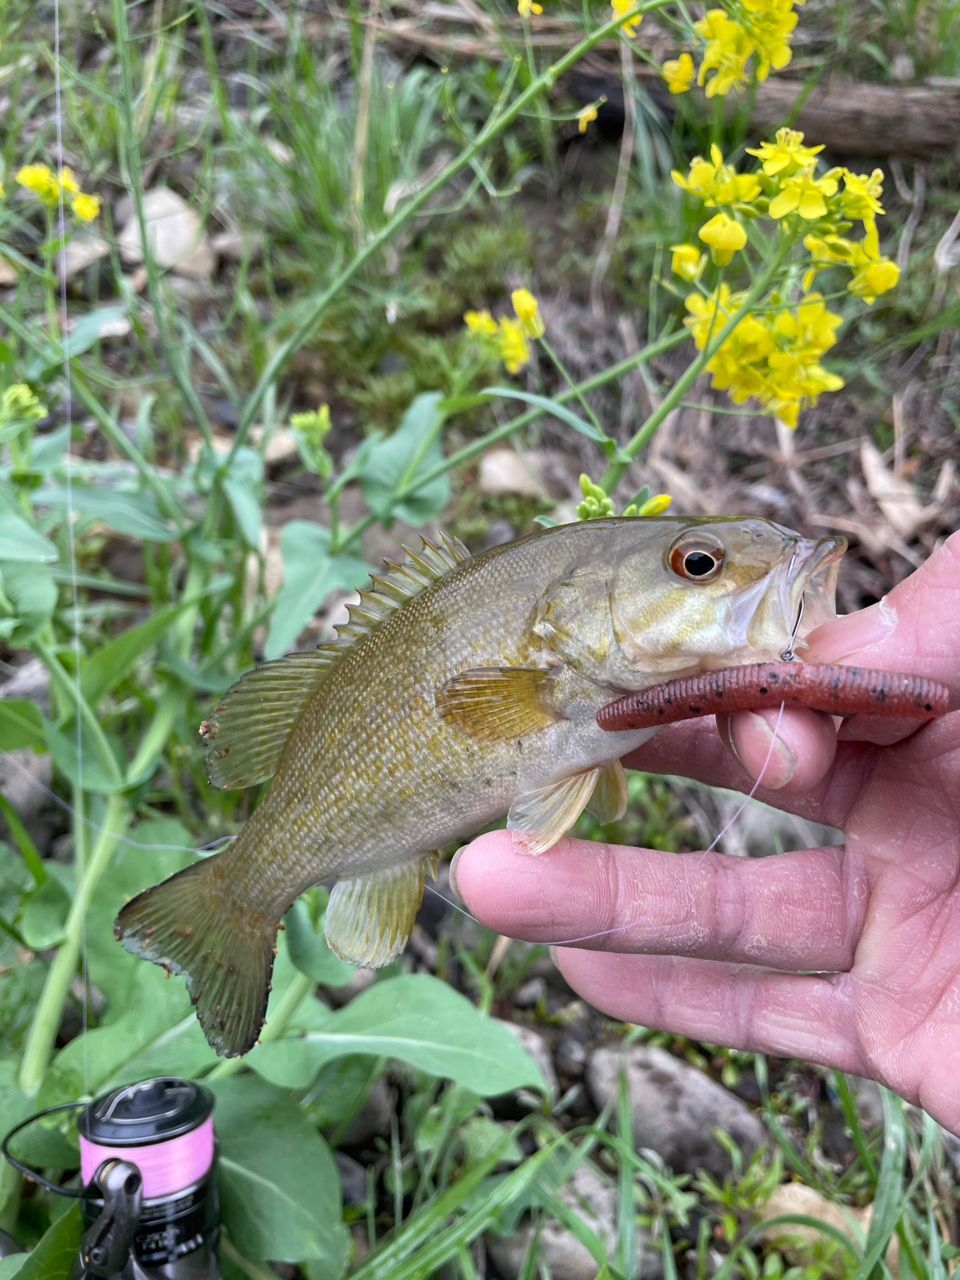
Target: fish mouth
column 808, row 586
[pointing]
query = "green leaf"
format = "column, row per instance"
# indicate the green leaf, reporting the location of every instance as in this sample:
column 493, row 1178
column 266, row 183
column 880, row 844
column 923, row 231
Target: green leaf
column 396, row 462
column 279, row 1186
column 552, row 407
column 54, row 1255
column 21, row 724
column 45, row 915
column 242, row 487
column 48, row 452
column 133, row 513
column 82, row 768
column 20, row 541
column 12, row 1265
column 308, row 946
column 418, row 1019
column 112, row 661
column 82, row 337
column 32, row 592
column 310, row 573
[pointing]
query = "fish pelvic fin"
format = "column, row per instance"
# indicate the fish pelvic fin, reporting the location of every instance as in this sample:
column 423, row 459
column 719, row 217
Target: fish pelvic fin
column 245, row 736
column 610, row 796
column 541, row 817
column 370, row 918
column 191, row 925
column 491, row 703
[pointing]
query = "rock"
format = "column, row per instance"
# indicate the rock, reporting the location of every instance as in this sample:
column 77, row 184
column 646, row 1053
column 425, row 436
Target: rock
column 115, row 327
column 176, row 236
column 353, row 1178
column 531, row 993
column 232, row 245
column 538, row 1050
column 25, row 776
column 82, row 250
column 675, row 1107
column 8, row 274
column 373, row 1118
column 571, row 1057
column 32, row 680
column 504, row 471
column 567, row 1259
column 806, row 1246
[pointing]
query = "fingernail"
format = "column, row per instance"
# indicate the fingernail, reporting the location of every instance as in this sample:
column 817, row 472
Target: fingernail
column 843, row 637
column 782, row 764
column 453, row 873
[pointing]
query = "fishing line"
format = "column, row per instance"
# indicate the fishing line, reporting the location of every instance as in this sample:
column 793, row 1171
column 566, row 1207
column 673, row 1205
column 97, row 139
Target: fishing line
column 631, row 924
column 80, row 851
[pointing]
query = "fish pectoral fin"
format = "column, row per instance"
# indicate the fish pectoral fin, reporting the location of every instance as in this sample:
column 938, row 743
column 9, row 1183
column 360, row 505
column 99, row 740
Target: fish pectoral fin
column 244, row 738
column 609, row 800
column 493, row 703
column 370, row 918
column 541, row 817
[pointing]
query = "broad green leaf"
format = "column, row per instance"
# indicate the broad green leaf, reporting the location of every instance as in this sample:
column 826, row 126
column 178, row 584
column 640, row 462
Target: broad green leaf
column 12, row 1265
column 48, row 452
column 396, row 461
column 418, row 1019
column 21, row 724
column 552, row 407
column 136, row 514
column 310, row 573
column 82, row 768
column 112, row 661
column 242, row 487
column 308, row 947
column 54, row 1255
column 41, row 1144
column 82, row 337
column 20, row 541
column 33, row 594
column 279, row 1186
column 45, row 915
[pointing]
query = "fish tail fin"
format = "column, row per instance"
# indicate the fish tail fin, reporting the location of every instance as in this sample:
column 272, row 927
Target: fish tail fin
column 192, row 925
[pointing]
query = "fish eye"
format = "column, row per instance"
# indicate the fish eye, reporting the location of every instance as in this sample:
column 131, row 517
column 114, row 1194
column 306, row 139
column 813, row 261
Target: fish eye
column 697, row 557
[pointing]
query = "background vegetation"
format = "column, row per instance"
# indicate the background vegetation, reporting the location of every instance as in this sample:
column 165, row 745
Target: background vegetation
column 343, row 185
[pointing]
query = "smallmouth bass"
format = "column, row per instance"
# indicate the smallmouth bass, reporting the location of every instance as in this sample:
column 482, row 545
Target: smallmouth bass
column 464, row 687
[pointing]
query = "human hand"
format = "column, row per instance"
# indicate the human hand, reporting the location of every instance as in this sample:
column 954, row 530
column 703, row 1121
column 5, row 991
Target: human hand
column 848, row 955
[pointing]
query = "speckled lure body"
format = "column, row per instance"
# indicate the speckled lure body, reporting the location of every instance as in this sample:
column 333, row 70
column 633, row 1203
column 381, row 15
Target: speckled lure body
column 841, row 691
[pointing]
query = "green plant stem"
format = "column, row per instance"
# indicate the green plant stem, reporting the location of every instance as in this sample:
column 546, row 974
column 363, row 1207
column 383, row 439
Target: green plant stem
column 132, row 164
column 42, row 1035
column 70, row 691
column 615, row 470
column 570, row 383
column 255, row 1270
column 274, row 1027
column 494, row 126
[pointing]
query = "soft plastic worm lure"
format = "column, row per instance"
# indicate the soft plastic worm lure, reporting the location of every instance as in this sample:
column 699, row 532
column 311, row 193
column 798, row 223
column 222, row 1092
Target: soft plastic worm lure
column 841, row 691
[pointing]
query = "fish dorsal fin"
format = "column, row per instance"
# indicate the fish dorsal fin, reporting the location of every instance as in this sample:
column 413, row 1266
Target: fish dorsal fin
column 370, row 918
column 495, row 703
column 540, row 818
column 246, row 733
column 401, row 583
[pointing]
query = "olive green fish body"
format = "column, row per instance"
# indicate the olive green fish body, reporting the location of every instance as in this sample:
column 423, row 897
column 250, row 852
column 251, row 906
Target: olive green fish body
column 463, row 688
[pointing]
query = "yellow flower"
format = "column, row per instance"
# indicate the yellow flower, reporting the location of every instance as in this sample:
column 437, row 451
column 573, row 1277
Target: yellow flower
column 873, row 279
column 620, row 7
column 717, row 183
column 527, row 312
column 861, row 195
column 481, row 323
column 41, row 180
column 653, row 506
column 68, row 182
column 725, row 236
column 526, row 7
column 804, row 194
column 514, row 348
column 85, row 207
column 770, row 23
column 727, row 52
column 687, row 261
column 678, row 73
column 786, row 155
column 585, row 117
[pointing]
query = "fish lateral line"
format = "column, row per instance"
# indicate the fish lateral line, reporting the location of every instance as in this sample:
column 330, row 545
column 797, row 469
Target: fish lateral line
column 835, row 689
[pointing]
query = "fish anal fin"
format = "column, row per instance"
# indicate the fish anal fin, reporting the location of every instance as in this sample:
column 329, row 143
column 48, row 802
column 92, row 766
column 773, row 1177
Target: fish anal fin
column 191, row 925
column 491, row 703
column 540, row 818
column 609, row 800
column 370, row 918
column 245, row 736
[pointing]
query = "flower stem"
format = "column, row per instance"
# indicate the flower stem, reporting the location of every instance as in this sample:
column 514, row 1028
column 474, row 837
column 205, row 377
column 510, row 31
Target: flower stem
column 46, row 1021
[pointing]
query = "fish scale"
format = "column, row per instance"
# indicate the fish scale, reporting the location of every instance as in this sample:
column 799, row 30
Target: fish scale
column 462, row 689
